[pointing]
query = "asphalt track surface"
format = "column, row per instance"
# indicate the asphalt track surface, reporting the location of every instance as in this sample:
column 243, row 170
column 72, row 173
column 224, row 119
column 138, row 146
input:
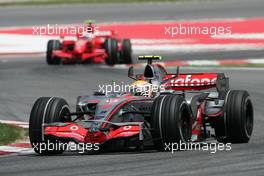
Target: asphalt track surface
column 25, row 16
column 24, row 79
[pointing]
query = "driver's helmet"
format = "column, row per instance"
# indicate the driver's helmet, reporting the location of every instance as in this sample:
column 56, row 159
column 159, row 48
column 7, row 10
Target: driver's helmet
column 141, row 88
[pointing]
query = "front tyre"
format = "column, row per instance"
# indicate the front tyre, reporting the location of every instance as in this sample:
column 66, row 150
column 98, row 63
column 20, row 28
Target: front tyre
column 46, row 110
column 171, row 121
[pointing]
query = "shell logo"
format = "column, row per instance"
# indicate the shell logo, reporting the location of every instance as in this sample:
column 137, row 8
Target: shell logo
column 74, row 128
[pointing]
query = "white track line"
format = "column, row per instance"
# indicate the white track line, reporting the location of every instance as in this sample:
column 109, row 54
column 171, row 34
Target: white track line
column 15, row 149
column 16, row 123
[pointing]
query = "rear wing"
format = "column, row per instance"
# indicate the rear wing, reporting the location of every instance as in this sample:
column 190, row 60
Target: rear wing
column 179, row 81
column 196, row 81
column 149, row 58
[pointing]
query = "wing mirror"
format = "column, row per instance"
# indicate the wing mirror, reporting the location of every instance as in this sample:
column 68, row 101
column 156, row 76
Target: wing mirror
column 131, row 73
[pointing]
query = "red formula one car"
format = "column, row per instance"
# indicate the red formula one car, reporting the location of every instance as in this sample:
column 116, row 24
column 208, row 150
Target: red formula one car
column 136, row 119
column 93, row 47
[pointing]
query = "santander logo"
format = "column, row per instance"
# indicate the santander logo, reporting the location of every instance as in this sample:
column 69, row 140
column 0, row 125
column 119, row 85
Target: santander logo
column 194, row 80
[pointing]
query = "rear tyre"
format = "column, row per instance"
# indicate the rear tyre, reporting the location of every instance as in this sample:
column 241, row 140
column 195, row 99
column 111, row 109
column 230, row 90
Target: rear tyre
column 47, row 110
column 126, row 53
column 53, row 45
column 237, row 125
column 111, row 46
column 171, row 121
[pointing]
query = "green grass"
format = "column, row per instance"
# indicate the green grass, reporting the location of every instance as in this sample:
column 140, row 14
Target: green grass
column 11, row 133
column 52, row 2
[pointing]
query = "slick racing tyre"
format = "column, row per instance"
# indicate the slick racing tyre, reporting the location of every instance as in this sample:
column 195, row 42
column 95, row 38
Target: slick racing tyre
column 126, row 53
column 46, row 110
column 237, row 125
column 53, row 45
column 171, row 121
column 111, row 47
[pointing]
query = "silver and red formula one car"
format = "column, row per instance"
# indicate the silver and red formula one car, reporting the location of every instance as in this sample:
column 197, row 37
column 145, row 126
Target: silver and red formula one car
column 149, row 116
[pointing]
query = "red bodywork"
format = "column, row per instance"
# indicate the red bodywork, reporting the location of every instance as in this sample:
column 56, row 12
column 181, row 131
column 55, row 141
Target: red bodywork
column 80, row 134
column 81, row 49
column 192, row 81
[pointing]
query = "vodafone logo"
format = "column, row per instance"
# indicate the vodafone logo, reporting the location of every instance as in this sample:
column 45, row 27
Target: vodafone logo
column 193, row 80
